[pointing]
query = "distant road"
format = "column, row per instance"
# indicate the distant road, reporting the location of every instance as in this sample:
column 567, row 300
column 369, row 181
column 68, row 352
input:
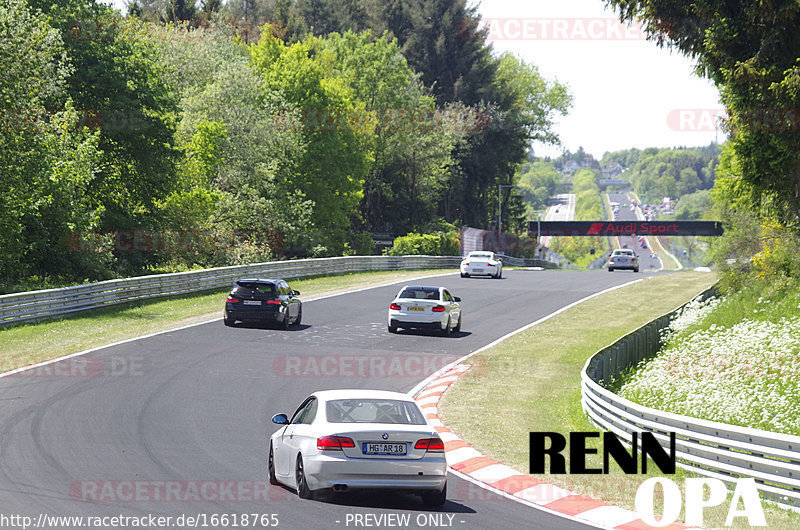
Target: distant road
column 626, row 214
column 562, row 210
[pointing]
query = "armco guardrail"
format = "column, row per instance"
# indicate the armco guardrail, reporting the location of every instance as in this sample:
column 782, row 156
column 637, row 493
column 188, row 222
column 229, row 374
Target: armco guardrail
column 709, row 448
column 35, row 305
column 528, row 262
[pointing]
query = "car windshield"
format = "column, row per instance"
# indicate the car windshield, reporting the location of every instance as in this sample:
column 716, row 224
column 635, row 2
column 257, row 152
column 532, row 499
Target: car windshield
column 623, row 252
column 480, row 255
column 420, row 293
column 373, row 411
column 261, row 287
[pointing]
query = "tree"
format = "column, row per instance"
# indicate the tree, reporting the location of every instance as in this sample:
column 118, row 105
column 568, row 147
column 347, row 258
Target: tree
column 673, row 172
column 150, row 10
column 210, row 7
column 331, row 171
column 410, row 141
column 241, row 146
column 117, row 77
column 181, row 10
column 539, row 181
column 443, row 43
column 750, row 50
column 48, row 156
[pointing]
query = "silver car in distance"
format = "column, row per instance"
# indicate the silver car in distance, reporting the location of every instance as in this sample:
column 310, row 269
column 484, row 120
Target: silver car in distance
column 343, row 440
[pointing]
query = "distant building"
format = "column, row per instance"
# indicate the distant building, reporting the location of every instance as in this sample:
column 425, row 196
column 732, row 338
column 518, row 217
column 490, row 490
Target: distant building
column 612, row 170
column 570, row 165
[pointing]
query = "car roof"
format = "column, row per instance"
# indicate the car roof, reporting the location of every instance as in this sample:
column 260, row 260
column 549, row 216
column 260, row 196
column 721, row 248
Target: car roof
column 420, row 287
column 350, row 393
column 623, row 251
column 259, row 280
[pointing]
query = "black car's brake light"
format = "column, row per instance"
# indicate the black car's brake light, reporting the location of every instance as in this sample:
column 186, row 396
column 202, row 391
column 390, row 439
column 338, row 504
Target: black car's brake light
column 276, row 302
column 232, row 299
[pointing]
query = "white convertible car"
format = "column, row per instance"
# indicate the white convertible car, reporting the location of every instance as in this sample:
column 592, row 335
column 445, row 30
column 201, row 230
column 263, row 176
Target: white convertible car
column 342, row 440
column 481, row 263
column 424, row 307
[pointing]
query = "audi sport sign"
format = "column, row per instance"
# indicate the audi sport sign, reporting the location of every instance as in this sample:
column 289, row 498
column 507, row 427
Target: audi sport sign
column 625, row 228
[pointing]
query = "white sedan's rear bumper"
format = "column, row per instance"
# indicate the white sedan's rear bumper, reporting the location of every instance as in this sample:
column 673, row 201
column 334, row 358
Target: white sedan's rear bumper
column 326, row 471
column 417, row 319
column 480, row 269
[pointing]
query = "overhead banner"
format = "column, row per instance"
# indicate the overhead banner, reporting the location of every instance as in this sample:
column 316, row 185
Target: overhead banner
column 625, row 228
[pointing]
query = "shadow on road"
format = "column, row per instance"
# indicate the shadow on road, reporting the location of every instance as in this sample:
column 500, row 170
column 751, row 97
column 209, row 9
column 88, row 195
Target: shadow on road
column 387, row 499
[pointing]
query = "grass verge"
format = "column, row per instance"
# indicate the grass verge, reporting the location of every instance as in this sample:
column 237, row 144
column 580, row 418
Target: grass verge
column 531, row 382
column 28, row 344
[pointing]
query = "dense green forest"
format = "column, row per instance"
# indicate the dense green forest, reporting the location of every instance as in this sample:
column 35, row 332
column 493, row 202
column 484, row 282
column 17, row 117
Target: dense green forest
column 182, row 134
column 672, row 172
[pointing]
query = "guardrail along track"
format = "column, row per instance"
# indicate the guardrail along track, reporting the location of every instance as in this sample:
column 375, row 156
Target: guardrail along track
column 708, row 448
column 36, row 305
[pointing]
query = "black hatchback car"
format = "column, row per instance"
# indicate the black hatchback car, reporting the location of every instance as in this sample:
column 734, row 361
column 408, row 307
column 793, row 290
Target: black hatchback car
column 266, row 301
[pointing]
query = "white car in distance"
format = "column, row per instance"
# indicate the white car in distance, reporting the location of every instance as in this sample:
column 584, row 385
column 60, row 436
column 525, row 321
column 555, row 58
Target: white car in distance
column 342, row 440
column 481, row 263
column 425, row 307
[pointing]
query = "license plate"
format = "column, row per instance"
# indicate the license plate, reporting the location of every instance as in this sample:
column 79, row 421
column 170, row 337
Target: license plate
column 477, row 270
column 371, row 448
column 416, row 308
column 252, row 302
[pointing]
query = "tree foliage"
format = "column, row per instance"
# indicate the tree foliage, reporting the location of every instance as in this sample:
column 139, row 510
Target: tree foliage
column 539, row 181
column 750, row 50
column 191, row 119
column 49, row 158
column 672, row 173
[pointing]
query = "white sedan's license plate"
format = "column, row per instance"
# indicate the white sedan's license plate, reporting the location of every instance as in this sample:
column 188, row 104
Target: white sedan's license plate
column 252, row 302
column 415, row 308
column 383, row 449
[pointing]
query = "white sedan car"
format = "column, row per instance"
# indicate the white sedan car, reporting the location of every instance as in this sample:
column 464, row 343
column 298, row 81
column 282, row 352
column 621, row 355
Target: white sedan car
column 481, row 263
column 343, row 440
column 423, row 307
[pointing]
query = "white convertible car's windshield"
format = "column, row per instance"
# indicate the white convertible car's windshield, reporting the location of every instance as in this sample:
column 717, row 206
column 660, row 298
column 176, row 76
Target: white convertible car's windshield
column 480, row 255
column 373, row 411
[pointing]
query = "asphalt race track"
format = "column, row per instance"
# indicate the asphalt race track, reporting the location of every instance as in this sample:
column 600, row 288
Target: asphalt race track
column 177, row 424
column 625, row 214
